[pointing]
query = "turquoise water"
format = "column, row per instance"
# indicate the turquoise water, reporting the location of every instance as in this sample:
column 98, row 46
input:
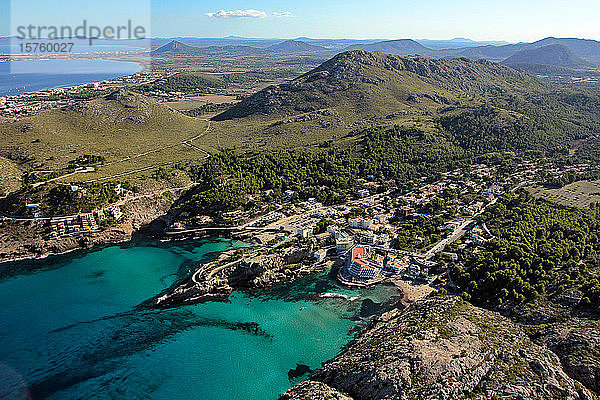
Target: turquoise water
column 71, row 330
column 18, row 77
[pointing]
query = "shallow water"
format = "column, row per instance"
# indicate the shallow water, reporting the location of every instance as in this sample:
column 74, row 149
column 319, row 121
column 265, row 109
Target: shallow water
column 71, row 330
column 18, row 77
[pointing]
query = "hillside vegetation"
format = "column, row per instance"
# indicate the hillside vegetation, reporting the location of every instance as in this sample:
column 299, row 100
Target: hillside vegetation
column 554, row 54
column 364, row 82
column 119, row 128
column 370, row 114
column 10, row 176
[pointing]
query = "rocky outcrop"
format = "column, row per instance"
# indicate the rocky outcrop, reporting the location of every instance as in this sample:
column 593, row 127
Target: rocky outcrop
column 314, row 391
column 577, row 344
column 218, row 279
column 444, row 348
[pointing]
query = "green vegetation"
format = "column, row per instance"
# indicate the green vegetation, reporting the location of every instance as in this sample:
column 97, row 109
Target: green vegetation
column 420, row 233
column 10, row 176
column 540, row 247
column 86, row 159
column 186, row 82
column 204, row 109
column 57, row 200
column 112, row 130
column 579, row 194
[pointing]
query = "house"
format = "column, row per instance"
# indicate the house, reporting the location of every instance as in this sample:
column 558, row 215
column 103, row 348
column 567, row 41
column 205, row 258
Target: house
column 88, row 223
column 450, row 256
column 367, row 237
column 116, row 212
column 404, row 211
column 304, row 232
column 343, row 244
column 383, row 241
column 363, row 193
column 100, row 215
column 320, row 255
column 359, row 223
column 364, row 264
column 397, row 265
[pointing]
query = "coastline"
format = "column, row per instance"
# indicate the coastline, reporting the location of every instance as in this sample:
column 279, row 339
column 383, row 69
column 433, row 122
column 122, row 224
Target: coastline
column 47, row 87
column 139, row 220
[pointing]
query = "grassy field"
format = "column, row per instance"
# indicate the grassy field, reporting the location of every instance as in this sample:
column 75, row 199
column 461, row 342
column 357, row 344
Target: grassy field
column 579, row 194
column 130, row 132
column 10, row 176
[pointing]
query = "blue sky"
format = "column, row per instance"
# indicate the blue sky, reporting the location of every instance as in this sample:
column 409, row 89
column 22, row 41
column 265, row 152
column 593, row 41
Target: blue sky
column 511, row 20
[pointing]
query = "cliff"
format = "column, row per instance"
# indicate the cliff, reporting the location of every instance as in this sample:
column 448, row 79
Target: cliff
column 443, row 348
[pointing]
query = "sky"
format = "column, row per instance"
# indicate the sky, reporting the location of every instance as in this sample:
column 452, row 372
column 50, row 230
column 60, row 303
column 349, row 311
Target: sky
column 509, row 20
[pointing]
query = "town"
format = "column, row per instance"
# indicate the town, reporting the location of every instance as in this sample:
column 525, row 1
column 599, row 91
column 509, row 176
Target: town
column 414, row 234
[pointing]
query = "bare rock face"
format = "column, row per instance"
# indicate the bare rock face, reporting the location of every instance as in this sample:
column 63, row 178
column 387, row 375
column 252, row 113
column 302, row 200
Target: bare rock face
column 444, row 348
column 355, row 74
column 314, row 391
column 577, row 344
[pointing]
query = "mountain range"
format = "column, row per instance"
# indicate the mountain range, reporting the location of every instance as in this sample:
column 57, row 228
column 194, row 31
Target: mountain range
column 554, row 54
column 563, row 53
column 363, row 82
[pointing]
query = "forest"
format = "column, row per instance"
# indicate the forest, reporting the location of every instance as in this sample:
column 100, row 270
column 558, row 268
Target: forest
column 540, row 248
column 389, row 154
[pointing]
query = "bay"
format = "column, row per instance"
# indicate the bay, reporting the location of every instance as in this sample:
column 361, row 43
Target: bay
column 72, row 329
column 18, row 77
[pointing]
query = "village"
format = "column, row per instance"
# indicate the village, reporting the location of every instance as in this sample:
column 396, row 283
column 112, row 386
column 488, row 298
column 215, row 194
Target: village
column 413, row 235
column 27, row 104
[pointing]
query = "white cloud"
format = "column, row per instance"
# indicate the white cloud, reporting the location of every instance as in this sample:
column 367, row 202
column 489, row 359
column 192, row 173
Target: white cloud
column 282, row 14
column 237, row 14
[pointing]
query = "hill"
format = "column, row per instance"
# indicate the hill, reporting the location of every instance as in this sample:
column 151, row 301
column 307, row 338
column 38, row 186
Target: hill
column 455, row 43
column 296, row 46
column 401, row 47
column 554, row 54
column 10, row 176
column 588, row 50
column 585, row 48
column 489, row 52
column 175, row 47
column 129, row 131
column 362, row 82
column 423, row 352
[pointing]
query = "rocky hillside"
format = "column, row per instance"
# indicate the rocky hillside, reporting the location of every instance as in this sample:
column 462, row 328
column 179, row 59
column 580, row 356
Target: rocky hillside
column 554, row 54
column 401, row 47
column 295, row 46
column 363, row 82
column 442, row 348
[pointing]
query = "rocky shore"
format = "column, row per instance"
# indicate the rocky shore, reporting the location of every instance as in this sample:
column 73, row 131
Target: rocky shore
column 218, row 279
column 21, row 240
column 442, row 348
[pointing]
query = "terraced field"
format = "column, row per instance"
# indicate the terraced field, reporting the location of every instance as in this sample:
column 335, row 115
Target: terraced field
column 579, row 194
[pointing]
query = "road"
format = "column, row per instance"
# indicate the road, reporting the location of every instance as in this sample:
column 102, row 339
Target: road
column 196, row 276
column 459, row 232
column 186, row 142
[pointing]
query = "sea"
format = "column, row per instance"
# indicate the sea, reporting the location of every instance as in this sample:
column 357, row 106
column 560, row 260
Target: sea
column 18, row 77
column 72, row 328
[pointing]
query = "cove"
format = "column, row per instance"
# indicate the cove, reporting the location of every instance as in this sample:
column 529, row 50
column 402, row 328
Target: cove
column 18, row 77
column 72, row 329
